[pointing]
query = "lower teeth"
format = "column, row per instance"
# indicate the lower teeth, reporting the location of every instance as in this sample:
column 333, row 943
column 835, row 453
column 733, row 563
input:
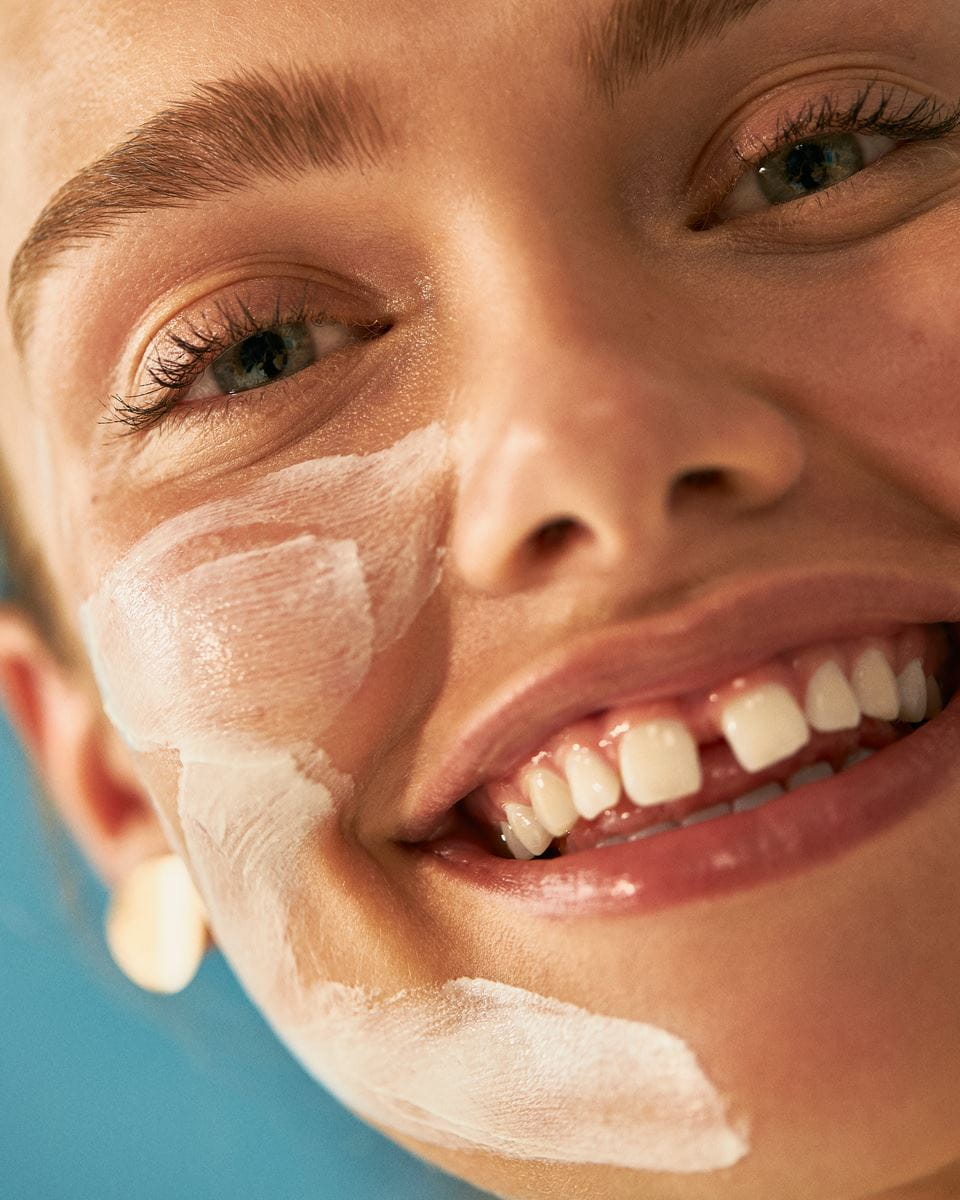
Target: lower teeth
column 857, row 756
column 772, row 791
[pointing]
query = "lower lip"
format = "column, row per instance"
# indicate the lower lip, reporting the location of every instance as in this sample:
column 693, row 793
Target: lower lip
column 784, row 837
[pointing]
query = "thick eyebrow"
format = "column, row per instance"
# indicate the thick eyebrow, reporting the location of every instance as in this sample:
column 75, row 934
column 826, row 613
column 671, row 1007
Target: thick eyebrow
column 636, row 37
column 225, row 136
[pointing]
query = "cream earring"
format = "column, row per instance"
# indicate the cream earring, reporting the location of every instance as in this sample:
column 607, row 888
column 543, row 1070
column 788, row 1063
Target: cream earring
column 156, row 925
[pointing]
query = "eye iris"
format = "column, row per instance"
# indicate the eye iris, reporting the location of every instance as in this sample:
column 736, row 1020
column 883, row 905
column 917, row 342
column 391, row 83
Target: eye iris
column 263, row 357
column 810, row 166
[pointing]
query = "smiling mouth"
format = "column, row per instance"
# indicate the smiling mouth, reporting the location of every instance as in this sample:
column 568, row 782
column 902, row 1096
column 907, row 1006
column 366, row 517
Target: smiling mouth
column 635, row 773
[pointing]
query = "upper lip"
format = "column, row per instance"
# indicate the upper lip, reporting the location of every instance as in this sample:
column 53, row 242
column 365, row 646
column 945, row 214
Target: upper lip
column 728, row 631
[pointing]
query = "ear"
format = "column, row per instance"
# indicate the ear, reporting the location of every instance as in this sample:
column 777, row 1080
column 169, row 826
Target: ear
column 83, row 765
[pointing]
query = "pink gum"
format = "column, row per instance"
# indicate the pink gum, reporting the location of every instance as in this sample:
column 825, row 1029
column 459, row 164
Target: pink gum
column 701, row 712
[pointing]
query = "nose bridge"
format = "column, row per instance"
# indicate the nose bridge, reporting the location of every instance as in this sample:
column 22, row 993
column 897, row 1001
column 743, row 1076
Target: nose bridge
column 565, row 328
column 601, row 420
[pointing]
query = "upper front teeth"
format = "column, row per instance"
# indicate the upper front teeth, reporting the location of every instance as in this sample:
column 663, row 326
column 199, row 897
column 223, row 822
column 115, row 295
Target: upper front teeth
column 912, row 689
column 659, row 761
column 830, row 702
column 551, row 801
column 594, row 784
column 526, row 828
column 764, row 726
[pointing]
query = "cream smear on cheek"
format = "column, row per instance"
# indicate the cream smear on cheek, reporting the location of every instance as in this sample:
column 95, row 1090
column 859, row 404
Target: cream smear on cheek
column 227, row 640
column 216, row 622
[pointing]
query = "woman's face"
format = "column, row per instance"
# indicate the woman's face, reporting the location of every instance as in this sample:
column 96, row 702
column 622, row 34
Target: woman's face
column 550, row 419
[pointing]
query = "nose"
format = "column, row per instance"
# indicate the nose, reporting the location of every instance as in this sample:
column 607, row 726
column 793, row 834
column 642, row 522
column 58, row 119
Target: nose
column 596, row 438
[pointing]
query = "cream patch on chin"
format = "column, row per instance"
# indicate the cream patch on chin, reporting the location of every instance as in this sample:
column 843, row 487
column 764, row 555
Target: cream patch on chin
column 479, row 1065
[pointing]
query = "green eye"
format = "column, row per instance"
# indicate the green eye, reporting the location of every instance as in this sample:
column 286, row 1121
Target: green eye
column 803, row 168
column 810, row 166
column 263, row 357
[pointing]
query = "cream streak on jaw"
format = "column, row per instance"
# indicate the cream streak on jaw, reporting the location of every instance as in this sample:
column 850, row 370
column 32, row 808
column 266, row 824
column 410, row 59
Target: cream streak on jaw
column 204, row 637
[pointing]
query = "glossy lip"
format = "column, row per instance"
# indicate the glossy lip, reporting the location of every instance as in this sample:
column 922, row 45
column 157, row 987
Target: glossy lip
column 794, row 833
column 725, row 633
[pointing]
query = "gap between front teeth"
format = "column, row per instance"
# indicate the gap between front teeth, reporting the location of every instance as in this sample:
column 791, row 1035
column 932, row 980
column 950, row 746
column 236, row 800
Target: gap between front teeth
column 659, row 759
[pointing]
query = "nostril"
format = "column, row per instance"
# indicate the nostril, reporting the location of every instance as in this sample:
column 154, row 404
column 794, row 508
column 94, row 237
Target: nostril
column 553, row 536
column 709, row 477
column 706, row 482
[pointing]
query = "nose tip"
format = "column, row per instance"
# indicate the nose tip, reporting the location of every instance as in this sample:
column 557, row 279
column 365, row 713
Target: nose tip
column 612, row 425
column 638, row 502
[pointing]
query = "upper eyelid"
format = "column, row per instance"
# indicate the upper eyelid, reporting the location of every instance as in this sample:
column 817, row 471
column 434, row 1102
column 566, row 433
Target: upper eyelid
column 259, row 301
column 862, row 113
column 222, row 323
column 828, row 113
column 141, row 414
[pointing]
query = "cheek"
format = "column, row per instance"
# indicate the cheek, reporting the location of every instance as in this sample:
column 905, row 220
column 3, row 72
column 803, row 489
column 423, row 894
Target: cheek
column 224, row 649
column 875, row 360
column 252, row 824
column 227, row 643
column 255, row 620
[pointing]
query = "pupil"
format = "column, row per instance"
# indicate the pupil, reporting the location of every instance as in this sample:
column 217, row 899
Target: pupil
column 808, row 165
column 264, row 352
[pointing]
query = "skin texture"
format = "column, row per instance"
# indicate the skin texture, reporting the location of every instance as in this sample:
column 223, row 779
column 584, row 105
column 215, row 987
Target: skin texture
column 585, row 351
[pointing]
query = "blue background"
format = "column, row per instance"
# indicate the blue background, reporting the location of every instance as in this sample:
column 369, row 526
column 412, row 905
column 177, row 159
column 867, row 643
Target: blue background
column 107, row 1093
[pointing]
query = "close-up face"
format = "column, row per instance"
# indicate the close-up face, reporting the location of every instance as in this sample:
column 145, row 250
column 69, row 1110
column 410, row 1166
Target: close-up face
column 495, row 471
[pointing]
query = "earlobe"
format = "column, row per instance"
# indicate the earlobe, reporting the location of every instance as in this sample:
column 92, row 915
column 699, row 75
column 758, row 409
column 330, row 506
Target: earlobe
column 80, row 761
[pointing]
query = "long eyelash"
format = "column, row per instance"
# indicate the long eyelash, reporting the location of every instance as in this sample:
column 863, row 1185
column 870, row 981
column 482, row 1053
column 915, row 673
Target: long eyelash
column 878, row 109
column 923, row 120
column 185, row 356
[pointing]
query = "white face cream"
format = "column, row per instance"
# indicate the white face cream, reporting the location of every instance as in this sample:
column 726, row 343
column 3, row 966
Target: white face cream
column 249, row 614
column 479, row 1065
column 227, row 642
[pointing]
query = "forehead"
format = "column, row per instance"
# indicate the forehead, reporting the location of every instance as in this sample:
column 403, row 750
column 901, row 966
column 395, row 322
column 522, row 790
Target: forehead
column 77, row 76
